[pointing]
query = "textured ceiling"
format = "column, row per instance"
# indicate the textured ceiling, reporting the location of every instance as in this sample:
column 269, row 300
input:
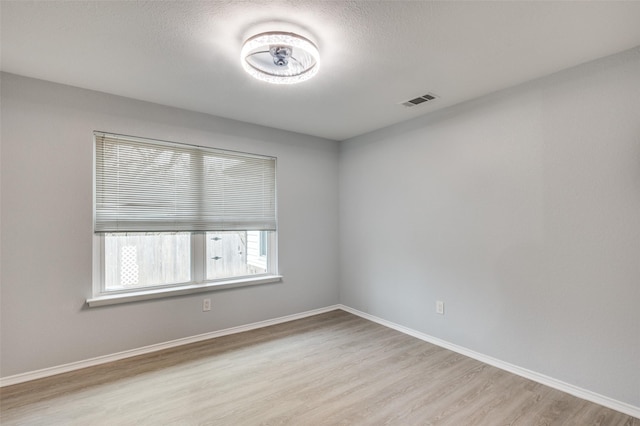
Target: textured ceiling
column 375, row 55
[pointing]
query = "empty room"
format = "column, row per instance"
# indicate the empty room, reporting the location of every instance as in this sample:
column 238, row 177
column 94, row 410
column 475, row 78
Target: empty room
column 313, row 212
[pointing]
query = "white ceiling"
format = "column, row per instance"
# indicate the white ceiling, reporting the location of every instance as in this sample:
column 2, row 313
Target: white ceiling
column 374, row 55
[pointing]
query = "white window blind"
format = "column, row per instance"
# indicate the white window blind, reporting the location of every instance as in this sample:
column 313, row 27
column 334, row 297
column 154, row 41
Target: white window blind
column 154, row 186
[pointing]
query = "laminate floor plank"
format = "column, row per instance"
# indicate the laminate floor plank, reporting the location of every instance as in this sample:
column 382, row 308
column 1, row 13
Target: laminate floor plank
column 329, row 369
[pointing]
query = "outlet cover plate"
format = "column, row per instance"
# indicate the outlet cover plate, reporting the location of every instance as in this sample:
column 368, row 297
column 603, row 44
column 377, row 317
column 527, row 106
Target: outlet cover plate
column 206, row 305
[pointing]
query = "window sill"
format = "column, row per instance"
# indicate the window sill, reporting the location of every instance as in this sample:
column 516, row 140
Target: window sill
column 159, row 293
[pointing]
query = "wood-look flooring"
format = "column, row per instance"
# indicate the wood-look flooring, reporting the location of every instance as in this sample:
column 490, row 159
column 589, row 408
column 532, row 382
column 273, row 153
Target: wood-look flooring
column 329, row 369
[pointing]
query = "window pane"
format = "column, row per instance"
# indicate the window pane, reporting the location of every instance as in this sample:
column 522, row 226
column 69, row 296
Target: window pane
column 236, row 253
column 146, row 259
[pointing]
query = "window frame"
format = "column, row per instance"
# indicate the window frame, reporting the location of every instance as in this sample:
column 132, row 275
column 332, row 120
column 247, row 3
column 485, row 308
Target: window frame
column 198, row 283
column 102, row 298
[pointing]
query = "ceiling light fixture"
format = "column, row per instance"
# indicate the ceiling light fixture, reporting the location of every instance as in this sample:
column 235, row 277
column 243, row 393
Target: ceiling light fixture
column 280, row 58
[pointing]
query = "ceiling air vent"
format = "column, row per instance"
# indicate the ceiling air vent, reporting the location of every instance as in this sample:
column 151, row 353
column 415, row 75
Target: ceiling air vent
column 419, row 100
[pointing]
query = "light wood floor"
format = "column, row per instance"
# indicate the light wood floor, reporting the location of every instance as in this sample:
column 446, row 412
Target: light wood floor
column 330, row 369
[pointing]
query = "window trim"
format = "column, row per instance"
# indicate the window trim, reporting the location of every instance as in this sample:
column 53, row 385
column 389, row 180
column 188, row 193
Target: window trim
column 157, row 293
column 198, row 283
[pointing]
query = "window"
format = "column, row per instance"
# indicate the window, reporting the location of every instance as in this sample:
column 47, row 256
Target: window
column 172, row 219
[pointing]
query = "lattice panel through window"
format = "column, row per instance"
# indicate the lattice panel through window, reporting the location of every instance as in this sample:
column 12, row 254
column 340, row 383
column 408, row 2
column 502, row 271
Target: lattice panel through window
column 129, row 266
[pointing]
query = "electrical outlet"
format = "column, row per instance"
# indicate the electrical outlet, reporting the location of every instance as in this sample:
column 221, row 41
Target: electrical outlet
column 440, row 307
column 206, row 305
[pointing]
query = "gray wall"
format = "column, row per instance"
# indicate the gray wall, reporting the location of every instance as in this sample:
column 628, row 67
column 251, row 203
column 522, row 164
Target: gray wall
column 521, row 211
column 47, row 155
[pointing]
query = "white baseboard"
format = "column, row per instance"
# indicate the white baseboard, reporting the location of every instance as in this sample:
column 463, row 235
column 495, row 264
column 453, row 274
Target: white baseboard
column 46, row 372
column 523, row 372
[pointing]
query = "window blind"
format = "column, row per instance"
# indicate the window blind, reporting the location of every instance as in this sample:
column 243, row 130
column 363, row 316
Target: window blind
column 142, row 185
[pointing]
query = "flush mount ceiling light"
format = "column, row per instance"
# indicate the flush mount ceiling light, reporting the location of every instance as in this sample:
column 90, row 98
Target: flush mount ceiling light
column 280, row 58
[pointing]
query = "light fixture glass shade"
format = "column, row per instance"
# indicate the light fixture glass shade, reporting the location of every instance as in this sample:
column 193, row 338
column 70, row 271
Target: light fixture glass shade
column 280, row 58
